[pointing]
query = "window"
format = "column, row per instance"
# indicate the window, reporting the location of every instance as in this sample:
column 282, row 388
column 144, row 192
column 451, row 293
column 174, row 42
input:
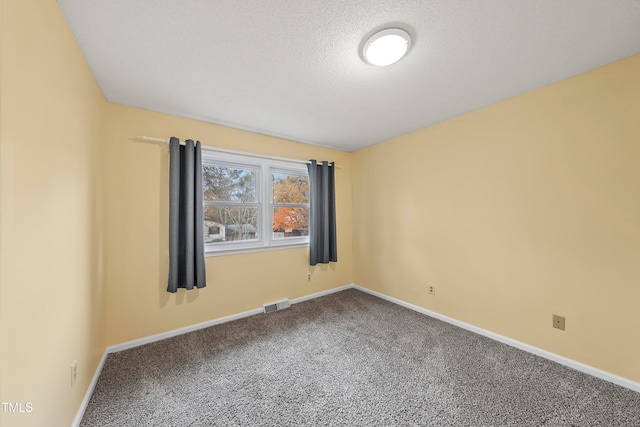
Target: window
column 290, row 204
column 253, row 203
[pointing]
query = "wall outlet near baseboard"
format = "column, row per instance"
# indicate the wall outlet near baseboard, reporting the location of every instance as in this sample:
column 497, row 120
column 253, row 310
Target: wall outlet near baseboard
column 431, row 289
column 558, row 322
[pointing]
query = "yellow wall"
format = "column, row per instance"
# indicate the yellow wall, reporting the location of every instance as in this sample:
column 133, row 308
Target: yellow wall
column 138, row 304
column 52, row 292
column 516, row 211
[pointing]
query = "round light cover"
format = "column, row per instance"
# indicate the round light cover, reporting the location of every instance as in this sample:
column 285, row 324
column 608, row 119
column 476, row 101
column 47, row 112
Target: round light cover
column 386, row 47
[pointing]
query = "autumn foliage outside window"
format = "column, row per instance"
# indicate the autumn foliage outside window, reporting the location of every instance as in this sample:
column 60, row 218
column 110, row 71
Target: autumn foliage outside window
column 244, row 197
column 290, row 205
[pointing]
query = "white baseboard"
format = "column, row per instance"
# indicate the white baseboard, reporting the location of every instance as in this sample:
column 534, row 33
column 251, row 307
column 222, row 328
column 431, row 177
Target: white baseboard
column 590, row 370
column 175, row 332
column 89, row 392
column 321, row 294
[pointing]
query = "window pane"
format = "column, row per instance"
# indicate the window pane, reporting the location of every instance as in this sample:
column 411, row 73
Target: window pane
column 290, row 188
column 230, row 223
column 290, row 222
column 229, row 184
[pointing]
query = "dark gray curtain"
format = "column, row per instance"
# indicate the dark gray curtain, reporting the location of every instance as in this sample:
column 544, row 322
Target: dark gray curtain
column 186, row 234
column 322, row 226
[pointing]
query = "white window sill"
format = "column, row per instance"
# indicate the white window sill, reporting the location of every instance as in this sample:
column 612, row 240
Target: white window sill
column 246, row 250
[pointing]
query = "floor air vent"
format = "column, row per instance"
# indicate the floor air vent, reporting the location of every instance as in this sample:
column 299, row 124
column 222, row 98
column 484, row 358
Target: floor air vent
column 274, row 306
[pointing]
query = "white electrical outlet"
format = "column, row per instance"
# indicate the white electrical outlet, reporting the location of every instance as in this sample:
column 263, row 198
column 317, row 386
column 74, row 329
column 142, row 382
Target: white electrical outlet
column 74, row 372
column 431, row 289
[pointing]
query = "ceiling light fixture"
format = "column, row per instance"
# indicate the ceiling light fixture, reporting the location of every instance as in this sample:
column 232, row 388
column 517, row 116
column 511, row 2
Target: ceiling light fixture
column 386, row 47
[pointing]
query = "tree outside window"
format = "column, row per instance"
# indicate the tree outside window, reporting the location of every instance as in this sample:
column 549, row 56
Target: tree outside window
column 290, row 205
column 231, row 203
column 244, row 197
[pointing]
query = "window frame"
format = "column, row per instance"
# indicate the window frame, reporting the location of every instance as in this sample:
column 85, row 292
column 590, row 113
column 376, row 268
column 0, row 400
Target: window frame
column 276, row 241
column 264, row 192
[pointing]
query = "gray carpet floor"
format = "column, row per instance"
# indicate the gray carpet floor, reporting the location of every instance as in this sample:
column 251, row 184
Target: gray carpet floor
column 350, row 359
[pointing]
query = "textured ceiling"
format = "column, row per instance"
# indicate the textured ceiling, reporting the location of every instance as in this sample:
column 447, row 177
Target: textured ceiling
column 291, row 68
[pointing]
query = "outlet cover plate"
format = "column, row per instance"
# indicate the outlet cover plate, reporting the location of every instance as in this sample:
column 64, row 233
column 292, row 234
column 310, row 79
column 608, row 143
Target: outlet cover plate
column 558, row 322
